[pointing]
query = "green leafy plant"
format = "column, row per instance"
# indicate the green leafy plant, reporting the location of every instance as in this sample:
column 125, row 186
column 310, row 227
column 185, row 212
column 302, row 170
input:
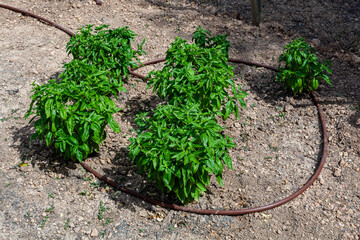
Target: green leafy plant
column 182, row 144
column 199, row 72
column 178, row 147
column 73, row 110
column 203, row 39
column 299, row 68
column 107, row 49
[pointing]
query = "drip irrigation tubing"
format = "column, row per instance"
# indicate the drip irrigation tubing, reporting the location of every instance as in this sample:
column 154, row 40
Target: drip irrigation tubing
column 195, row 210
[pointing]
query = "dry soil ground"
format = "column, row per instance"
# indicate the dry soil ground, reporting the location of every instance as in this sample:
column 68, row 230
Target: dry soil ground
column 278, row 136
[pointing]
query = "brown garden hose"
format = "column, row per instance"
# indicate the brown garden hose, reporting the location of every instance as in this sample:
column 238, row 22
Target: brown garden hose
column 194, row 210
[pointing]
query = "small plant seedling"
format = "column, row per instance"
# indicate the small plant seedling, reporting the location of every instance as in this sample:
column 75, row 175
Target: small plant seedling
column 67, row 223
column 102, row 209
column 84, row 193
column 51, row 195
column 299, row 68
column 51, row 209
column 8, row 185
column 244, row 137
column 27, row 215
column 44, row 221
column 275, row 149
column 95, row 184
column 108, row 221
column 282, row 114
column 87, row 179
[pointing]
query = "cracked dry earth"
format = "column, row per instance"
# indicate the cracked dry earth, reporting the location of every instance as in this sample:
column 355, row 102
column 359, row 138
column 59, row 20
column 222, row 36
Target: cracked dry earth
column 278, row 136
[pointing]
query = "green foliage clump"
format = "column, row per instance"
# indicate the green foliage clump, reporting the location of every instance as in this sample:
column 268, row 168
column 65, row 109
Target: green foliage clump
column 107, row 49
column 299, row 68
column 71, row 112
column 203, row 39
column 182, row 143
column 198, row 72
column 178, row 147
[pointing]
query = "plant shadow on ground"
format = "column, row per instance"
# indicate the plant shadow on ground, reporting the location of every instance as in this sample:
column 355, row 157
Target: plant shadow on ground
column 126, row 174
column 37, row 153
column 137, row 105
column 121, row 169
column 355, row 119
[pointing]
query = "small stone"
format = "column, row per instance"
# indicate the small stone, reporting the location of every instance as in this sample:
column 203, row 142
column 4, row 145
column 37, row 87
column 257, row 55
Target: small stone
column 237, row 125
column 321, row 180
column 337, row 172
column 356, row 59
column 342, row 162
column 94, row 233
column 288, row 108
column 143, row 213
column 235, row 14
column 316, row 42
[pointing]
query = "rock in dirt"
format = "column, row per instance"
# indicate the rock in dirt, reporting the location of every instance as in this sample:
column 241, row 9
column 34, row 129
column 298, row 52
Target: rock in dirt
column 337, row 172
column 94, row 233
column 288, row 108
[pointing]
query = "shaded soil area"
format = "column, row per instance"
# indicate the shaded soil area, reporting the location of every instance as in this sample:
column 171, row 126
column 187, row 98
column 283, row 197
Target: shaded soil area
column 278, row 136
